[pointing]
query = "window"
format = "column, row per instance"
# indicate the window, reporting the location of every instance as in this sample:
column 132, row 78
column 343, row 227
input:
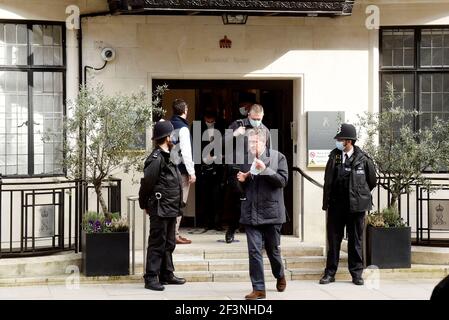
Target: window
column 416, row 61
column 32, row 75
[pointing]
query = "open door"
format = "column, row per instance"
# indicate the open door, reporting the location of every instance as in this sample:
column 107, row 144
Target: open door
column 276, row 96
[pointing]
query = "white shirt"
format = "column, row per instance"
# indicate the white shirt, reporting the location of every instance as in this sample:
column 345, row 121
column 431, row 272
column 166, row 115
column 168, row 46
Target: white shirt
column 186, row 150
column 210, row 131
column 349, row 153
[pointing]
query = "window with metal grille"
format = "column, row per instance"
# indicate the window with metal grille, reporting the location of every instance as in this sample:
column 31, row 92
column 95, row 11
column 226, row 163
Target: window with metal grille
column 32, row 77
column 415, row 60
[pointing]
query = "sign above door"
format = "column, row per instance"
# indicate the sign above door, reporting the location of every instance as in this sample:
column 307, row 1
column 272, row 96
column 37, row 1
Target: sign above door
column 220, row 7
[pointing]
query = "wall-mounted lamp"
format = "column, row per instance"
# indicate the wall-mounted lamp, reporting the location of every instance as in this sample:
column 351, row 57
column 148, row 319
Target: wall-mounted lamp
column 230, row 18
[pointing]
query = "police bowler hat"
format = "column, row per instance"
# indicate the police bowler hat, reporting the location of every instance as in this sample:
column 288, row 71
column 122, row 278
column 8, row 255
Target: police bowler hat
column 162, row 129
column 347, row 132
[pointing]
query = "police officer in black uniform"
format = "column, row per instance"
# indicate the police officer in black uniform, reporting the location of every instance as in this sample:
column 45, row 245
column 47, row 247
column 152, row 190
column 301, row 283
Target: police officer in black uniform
column 160, row 195
column 349, row 179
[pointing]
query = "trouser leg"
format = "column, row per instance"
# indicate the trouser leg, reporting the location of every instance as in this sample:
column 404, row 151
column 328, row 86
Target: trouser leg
column 211, row 200
column 215, row 199
column 167, row 267
column 235, row 217
column 335, row 231
column 156, row 246
column 185, row 196
column 272, row 237
column 256, row 269
column 355, row 225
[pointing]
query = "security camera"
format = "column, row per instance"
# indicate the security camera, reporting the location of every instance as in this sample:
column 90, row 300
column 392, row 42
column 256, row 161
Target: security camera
column 108, row 54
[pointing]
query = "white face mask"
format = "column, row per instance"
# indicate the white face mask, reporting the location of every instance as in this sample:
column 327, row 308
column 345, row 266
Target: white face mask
column 210, row 124
column 340, row 145
column 255, row 123
column 243, row 111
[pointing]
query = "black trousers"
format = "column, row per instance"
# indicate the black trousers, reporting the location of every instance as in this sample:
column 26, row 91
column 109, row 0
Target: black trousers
column 210, row 197
column 268, row 236
column 161, row 244
column 337, row 219
column 234, row 218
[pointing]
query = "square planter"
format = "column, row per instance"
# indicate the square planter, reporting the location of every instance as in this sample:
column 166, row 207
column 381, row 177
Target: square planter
column 388, row 248
column 105, row 254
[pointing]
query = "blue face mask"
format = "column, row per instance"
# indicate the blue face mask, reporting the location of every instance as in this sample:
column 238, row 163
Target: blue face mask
column 255, row 123
column 340, row 146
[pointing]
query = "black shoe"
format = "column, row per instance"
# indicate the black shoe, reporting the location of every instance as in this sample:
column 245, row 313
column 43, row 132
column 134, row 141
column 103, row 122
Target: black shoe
column 173, row 280
column 229, row 237
column 326, row 279
column 154, row 285
column 358, row 281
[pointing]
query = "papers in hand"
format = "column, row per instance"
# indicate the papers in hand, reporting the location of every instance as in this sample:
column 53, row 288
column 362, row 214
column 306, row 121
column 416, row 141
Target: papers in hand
column 254, row 171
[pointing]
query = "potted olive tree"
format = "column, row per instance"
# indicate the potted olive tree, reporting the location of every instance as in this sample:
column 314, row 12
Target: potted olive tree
column 402, row 155
column 100, row 132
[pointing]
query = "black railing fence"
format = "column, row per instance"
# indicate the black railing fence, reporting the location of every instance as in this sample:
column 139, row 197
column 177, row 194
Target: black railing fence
column 44, row 217
column 425, row 210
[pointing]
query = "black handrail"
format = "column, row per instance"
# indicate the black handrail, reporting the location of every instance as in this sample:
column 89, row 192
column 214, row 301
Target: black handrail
column 309, row 178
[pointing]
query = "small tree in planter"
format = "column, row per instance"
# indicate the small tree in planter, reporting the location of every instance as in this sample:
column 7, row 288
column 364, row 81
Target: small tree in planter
column 401, row 156
column 100, row 132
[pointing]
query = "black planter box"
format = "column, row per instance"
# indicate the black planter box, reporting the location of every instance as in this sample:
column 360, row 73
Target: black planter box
column 388, row 248
column 105, row 254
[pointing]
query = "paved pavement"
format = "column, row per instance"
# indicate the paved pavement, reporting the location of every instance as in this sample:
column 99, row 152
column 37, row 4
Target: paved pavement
column 296, row 290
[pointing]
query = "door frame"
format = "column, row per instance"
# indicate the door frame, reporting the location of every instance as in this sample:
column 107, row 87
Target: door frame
column 298, row 124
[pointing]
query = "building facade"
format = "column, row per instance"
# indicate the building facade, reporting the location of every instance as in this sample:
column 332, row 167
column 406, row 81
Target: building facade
column 332, row 58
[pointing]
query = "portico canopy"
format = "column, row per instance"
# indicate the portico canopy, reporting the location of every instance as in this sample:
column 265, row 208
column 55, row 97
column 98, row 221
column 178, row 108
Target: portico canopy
column 219, row 7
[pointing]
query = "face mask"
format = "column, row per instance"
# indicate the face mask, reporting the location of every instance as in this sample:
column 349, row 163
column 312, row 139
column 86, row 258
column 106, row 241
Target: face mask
column 340, row 145
column 243, row 111
column 210, row 124
column 255, row 123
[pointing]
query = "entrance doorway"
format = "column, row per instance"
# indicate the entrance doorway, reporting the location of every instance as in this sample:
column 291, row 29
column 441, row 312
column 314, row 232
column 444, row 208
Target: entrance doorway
column 276, row 97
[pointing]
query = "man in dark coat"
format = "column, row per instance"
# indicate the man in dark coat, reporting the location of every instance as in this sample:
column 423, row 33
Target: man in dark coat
column 350, row 177
column 160, row 195
column 239, row 127
column 263, row 179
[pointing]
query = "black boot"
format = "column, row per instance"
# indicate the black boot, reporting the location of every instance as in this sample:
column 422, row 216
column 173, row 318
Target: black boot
column 154, row 284
column 172, row 279
column 326, row 279
column 358, row 281
column 229, row 237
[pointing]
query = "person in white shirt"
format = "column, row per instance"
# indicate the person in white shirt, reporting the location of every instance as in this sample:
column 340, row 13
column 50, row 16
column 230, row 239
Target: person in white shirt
column 186, row 166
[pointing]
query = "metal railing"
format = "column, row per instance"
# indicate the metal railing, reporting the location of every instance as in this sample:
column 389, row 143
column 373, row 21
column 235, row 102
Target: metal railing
column 303, row 176
column 131, row 214
column 413, row 207
column 44, row 217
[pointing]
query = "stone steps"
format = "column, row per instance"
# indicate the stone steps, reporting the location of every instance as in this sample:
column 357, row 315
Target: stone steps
column 416, row 272
column 308, row 262
column 215, row 263
column 430, row 255
column 242, row 252
column 39, row 266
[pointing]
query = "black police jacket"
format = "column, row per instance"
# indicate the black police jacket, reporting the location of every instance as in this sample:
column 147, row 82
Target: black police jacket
column 362, row 180
column 161, row 187
column 264, row 193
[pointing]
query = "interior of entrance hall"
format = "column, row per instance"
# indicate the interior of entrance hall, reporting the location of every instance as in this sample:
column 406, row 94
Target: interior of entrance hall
column 224, row 97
